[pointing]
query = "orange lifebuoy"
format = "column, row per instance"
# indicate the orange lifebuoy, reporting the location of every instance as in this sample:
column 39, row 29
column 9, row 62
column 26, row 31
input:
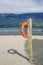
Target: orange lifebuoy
column 22, row 29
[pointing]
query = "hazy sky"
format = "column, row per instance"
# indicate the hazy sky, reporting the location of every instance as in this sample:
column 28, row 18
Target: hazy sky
column 21, row 6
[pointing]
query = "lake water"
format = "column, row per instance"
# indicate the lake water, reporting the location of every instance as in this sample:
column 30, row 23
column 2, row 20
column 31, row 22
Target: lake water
column 10, row 24
column 17, row 31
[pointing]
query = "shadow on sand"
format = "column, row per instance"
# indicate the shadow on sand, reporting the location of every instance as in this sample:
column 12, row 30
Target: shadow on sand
column 37, row 46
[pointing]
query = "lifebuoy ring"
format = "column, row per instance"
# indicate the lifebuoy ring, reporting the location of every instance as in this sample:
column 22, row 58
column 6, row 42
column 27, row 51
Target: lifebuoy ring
column 22, row 29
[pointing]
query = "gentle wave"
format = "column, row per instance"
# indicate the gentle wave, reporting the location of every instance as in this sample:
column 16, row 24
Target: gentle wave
column 18, row 29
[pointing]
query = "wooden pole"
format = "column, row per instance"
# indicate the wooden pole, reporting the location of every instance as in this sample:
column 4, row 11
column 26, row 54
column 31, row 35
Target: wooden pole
column 29, row 33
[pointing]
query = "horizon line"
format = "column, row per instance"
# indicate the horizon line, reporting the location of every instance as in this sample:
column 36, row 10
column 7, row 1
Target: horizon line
column 19, row 13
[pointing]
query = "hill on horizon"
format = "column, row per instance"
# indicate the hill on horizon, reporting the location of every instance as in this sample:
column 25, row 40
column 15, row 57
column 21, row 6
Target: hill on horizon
column 24, row 15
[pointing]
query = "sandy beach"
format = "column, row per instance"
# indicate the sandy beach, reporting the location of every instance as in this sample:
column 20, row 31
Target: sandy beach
column 18, row 43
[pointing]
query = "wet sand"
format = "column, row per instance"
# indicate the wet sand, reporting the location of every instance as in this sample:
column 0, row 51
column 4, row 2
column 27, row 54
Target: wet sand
column 38, row 50
column 18, row 43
